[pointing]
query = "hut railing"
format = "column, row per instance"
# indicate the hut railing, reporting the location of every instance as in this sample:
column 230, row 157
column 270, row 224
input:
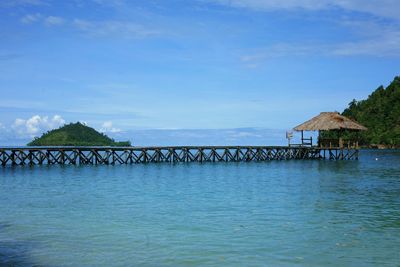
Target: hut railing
column 337, row 143
column 305, row 142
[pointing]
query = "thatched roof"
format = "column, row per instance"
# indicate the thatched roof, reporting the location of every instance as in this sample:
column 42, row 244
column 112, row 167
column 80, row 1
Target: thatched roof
column 326, row 121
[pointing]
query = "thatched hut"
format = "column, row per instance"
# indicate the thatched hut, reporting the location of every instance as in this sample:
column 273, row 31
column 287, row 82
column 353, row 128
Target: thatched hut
column 328, row 121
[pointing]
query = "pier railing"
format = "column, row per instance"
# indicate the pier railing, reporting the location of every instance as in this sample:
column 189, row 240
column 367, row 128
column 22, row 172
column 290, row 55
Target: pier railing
column 172, row 154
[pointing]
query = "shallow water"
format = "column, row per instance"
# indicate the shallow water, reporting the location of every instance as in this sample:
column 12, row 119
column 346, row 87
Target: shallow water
column 278, row 213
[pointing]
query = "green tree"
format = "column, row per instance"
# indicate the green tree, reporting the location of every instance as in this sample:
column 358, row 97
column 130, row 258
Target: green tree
column 380, row 113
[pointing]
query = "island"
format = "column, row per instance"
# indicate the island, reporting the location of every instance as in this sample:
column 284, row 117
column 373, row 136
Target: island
column 75, row 134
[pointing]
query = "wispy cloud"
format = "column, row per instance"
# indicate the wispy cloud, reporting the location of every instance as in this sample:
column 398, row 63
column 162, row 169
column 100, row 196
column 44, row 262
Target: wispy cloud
column 123, row 29
column 376, row 38
column 387, row 46
column 14, row 3
column 30, row 18
column 53, row 21
column 257, row 56
column 381, row 8
column 47, row 20
column 112, row 3
column 113, row 28
column 371, row 38
column 274, row 4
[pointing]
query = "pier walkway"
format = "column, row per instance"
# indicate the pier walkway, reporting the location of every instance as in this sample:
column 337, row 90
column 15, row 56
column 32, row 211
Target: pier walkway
column 172, row 154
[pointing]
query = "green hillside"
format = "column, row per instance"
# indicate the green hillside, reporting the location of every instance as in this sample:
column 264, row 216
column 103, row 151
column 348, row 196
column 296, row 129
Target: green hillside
column 380, row 113
column 75, row 134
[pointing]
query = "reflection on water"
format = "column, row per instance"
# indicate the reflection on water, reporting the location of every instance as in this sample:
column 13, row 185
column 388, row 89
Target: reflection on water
column 313, row 213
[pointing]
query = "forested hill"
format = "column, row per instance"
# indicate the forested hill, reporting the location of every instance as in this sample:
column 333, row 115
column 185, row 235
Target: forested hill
column 380, row 113
column 75, row 134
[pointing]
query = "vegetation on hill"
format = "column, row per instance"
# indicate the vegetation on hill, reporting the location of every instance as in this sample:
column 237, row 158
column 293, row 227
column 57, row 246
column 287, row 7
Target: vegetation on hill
column 380, row 113
column 75, row 134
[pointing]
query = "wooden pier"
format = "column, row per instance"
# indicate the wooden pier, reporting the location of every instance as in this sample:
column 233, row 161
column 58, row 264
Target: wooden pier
column 172, row 154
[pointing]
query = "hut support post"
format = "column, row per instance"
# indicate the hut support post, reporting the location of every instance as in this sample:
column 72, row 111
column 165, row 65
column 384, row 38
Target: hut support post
column 319, row 139
column 341, row 139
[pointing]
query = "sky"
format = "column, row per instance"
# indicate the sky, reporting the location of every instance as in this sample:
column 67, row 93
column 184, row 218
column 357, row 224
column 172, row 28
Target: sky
column 124, row 66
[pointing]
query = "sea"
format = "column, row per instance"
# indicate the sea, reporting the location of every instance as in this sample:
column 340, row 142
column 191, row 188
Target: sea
column 275, row 213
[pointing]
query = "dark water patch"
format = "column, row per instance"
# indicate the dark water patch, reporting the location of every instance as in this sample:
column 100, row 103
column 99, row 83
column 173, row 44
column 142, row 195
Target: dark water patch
column 15, row 254
column 4, row 226
column 12, row 252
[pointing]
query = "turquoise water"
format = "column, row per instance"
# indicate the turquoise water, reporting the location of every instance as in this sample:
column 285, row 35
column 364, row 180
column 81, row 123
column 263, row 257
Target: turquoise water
column 279, row 213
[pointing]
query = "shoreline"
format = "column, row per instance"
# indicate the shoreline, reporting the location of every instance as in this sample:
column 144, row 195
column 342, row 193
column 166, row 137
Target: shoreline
column 379, row 146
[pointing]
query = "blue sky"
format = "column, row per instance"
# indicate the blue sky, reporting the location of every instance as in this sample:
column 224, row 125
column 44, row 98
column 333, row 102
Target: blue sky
column 201, row 64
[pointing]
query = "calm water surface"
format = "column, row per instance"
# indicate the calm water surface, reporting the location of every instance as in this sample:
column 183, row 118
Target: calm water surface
column 280, row 213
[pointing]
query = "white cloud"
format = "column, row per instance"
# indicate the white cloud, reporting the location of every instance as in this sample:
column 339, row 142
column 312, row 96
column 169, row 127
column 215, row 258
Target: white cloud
column 49, row 21
column 381, row 8
column 380, row 48
column 110, row 3
column 240, row 134
column 275, row 4
column 378, row 39
column 107, row 124
column 30, row 18
column 254, row 58
column 113, row 28
column 107, row 127
column 371, row 39
column 36, row 125
column 377, row 35
column 14, row 3
column 53, row 21
column 57, row 119
column 123, row 29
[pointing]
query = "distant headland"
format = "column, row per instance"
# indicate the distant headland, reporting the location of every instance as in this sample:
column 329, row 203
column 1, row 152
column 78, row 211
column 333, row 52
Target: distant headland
column 75, row 134
column 380, row 113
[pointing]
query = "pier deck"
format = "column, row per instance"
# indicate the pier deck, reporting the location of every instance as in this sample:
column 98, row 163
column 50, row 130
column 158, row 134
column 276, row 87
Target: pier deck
column 172, row 154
